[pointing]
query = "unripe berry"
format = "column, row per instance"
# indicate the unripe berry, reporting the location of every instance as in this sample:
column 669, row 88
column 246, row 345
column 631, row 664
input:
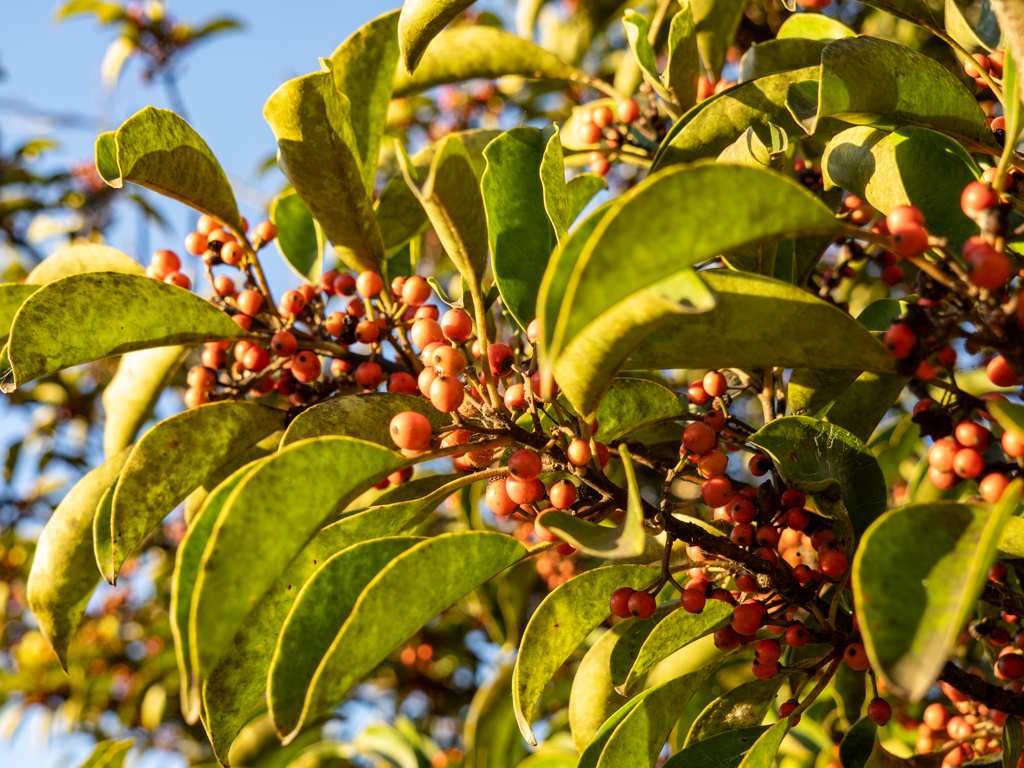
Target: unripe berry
column 410, row 430
column 524, row 464
column 426, row 331
column 563, row 494
column 401, row 383
column 265, row 231
column 1000, row 373
column 446, row 393
column 456, row 325
column 416, row 291
column 620, row 602
column 369, row 284
column 856, row 657
column 369, row 375
column 500, row 360
column 250, row 302
column 879, row 712
column 909, row 242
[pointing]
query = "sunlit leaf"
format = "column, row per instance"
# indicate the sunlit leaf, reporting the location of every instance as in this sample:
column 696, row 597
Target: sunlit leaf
column 716, row 24
column 78, row 259
column 744, row 707
column 813, row 26
column 366, row 416
column 420, row 23
column 133, row 392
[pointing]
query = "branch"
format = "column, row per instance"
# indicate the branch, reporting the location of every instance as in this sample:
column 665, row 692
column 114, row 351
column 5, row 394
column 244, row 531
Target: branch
column 1002, row 597
column 977, row 689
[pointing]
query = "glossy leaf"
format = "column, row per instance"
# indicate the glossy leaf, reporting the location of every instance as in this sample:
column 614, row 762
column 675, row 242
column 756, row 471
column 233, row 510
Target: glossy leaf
column 174, row 457
column 319, row 153
column 322, row 607
column 592, row 754
column 299, row 238
column 869, row 81
column 723, row 750
column 762, row 754
column 490, row 736
column 157, row 149
column 580, row 190
column 447, row 567
column 780, row 55
column 451, row 197
column 1012, row 110
column 477, row 51
column 420, row 23
column 606, row 272
column 912, row 608
column 269, row 518
column 93, row 316
column 78, row 259
column 102, row 544
column 236, row 683
column 522, row 233
column 624, row 541
column 859, row 742
column 64, row 571
column 742, row 708
column 1013, row 742
column 133, row 392
column 983, row 38
column 12, row 296
column 675, row 631
column 815, row 456
column 364, row 67
column 366, row 416
column 813, row 26
column 683, row 66
column 640, row 737
column 187, row 561
column 561, row 622
column 906, row 167
column 716, row 24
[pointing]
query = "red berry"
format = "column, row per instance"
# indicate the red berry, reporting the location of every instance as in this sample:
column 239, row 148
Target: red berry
column 344, row 284
column 603, row 456
column 976, row 197
column 524, row 465
column 562, row 494
column 416, row 291
column 1013, row 443
column 743, row 534
column 249, row 302
column 599, row 164
column 256, row 358
column 1010, row 667
column 456, row 325
column 523, row 491
column 764, row 671
column 164, row 263
column 941, row 479
column 909, row 242
column 1000, row 373
column 992, row 486
column 968, row 462
column 369, row 284
column 500, row 360
column 196, row 397
column 741, row 509
column 787, row 708
column 833, row 564
column 981, row 62
column 579, row 451
column 715, row 420
column 628, row 111
column 265, row 231
column 903, row 217
column 746, row 619
column 223, row 285
column 768, row 651
column 602, row 116
column 997, row 572
column 515, row 397
column 793, row 498
column 715, row 384
column 722, row 595
column 425, row 332
column 306, row 367
column 759, row 465
column 498, row 501
column 446, row 393
column 542, row 531
column 401, row 383
column 692, row 600
column 941, row 454
column 696, row 394
column 936, row 717
column 989, row 268
column 699, row 438
column 746, row 582
column 589, row 133
column 767, row 536
column 620, row 602
column 726, row 638
column 879, row 711
column 642, row 605
column 196, row 243
column 292, row 303
column 970, row 434
column 716, row 491
column 410, row 430
column 900, row 340
column 712, row 464
column 369, row 375
column 856, row 657
column 796, row 635
column 892, row 275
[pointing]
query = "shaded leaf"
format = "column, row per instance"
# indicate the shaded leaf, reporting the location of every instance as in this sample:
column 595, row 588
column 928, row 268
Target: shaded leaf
column 174, row 457
column 740, row 709
column 420, row 23
column 133, row 392
column 683, row 66
column 63, row 573
column 93, row 316
column 157, row 149
column 815, row 457
column 716, row 24
column 762, row 754
column 12, row 296
column 319, row 153
column 857, row 745
column 476, row 51
column 780, row 55
column 912, row 608
column 561, row 622
column 1013, row 742
column 299, row 238
column 102, row 544
column 83, row 258
column 366, row 416
column 580, row 190
column 982, row 38
column 723, row 750
column 916, row 11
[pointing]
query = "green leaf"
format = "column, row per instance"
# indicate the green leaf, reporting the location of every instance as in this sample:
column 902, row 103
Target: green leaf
column 399, row 213
column 522, row 234
column 421, row 22
column 451, row 197
column 916, row 11
column 446, row 567
column 300, row 239
column 366, row 416
column 982, row 38
column 64, row 571
column 724, row 750
column 912, row 607
column 97, row 315
column 580, row 190
column 640, row 737
column 131, row 395
column 740, row 709
column 176, row 456
column 716, row 24
column 718, row 121
column 266, row 522
column 1012, row 96
column 905, row 167
column 814, row 456
column 319, row 153
column 592, row 754
column 1007, row 415
column 593, row 698
column 78, row 259
column 476, row 51
column 322, row 607
column 637, row 30
column 12, row 296
column 762, row 754
column 236, row 683
column 102, row 544
column 683, row 66
column 780, row 55
column 675, row 631
column 561, row 622
column 187, row 561
column 625, row 541
column 1013, row 739
column 107, row 13
column 615, row 264
column 813, row 26
column 490, row 737
column 109, row 754
column 157, row 149
column 868, row 81
column 857, row 745
column 364, row 67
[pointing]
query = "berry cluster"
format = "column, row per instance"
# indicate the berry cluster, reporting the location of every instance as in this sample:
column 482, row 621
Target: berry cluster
column 599, row 125
column 961, row 453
